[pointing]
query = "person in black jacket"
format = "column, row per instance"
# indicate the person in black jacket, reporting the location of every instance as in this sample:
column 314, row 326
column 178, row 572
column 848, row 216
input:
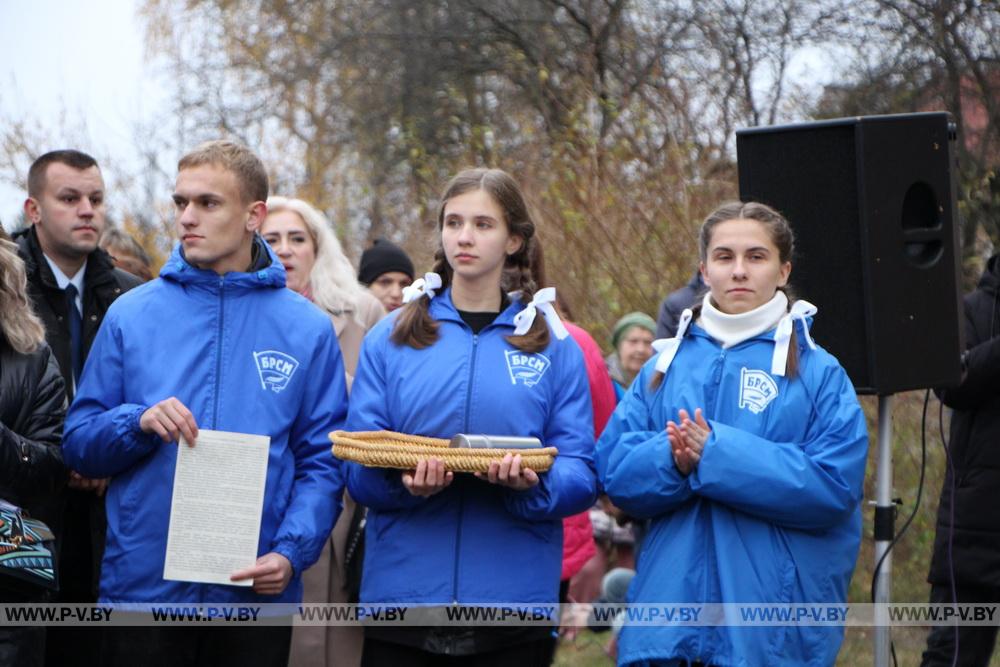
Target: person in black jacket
column 967, row 541
column 32, row 409
column 675, row 303
column 65, row 207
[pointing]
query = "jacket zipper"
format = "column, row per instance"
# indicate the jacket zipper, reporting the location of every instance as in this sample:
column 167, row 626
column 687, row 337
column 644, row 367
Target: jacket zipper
column 717, row 380
column 461, row 496
column 218, row 352
column 718, row 371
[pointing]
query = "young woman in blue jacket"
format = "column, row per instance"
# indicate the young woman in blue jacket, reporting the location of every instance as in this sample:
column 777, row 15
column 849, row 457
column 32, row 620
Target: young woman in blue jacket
column 744, row 443
column 466, row 356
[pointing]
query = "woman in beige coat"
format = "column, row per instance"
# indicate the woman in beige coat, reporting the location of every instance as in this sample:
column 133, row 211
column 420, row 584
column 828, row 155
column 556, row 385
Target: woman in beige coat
column 317, row 268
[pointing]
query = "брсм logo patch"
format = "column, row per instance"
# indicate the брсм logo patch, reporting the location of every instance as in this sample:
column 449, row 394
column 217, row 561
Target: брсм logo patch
column 527, row 369
column 757, row 389
column 275, row 369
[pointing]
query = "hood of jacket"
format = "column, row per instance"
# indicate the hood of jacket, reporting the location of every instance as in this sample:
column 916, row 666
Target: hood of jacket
column 265, row 270
column 990, row 279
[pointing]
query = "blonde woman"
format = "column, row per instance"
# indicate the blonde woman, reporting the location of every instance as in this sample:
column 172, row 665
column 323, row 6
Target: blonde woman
column 317, row 268
column 32, row 408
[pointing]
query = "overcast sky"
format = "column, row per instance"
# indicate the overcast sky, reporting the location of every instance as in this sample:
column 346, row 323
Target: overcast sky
column 89, row 60
column 86, row 58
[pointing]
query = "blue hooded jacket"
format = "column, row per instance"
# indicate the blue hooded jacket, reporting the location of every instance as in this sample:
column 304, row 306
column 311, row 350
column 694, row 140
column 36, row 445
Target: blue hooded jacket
column 208, row 340
column 473, row 542
column 771, row 512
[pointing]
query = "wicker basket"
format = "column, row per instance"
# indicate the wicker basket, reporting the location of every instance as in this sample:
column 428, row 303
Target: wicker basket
column 387, row 449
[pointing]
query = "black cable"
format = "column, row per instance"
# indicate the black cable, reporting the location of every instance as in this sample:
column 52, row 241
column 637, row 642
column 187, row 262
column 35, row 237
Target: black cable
column 913, row 514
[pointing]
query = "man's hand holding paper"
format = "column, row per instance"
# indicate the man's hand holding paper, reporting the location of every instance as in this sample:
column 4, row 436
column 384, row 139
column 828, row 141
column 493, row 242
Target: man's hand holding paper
column 215, row 514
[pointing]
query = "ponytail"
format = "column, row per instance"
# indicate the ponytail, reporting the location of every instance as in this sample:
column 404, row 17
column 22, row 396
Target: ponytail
column 658, row 376
column 415, row 326
column 792, row 360
column 518, row 277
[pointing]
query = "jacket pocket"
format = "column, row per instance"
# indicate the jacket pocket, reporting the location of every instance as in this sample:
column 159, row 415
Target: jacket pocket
column 276, row 504
column 141, row 516
column 780, row 636
column 382, row 522
column 127, row 507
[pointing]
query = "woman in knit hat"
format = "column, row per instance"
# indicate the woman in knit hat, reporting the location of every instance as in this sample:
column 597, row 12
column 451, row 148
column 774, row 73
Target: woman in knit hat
column 386, row 270
column 632, row 340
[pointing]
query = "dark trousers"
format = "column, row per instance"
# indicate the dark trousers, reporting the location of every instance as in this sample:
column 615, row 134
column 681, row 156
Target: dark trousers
column 378, row 653
column 975, row 644
column 550, row 657
column 184, row 646
column 67, row 646
column 22, row 646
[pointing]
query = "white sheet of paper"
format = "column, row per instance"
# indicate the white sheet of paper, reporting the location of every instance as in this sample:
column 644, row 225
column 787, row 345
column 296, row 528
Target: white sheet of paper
column 216, row 508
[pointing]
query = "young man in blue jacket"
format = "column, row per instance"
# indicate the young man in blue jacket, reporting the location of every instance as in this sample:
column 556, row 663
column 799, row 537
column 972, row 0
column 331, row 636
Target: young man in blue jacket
column 190, row 350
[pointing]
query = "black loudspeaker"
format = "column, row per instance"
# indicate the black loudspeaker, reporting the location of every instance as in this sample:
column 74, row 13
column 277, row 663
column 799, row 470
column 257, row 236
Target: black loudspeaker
column 871, row 200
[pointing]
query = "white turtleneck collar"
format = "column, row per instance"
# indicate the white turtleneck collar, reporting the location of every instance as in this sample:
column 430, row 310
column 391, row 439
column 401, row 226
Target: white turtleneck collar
column 734, row 329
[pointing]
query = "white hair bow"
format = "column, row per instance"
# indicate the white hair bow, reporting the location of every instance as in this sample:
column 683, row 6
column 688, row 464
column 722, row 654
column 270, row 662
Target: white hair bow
column 422, row 286
column 783, row 334
column 542, row 301
column 667, row 347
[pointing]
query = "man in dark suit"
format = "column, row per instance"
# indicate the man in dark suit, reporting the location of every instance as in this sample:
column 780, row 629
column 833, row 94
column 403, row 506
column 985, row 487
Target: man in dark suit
column 71, row 284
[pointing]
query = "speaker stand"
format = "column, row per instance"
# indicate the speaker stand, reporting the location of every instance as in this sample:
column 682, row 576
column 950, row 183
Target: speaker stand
column 885, row 519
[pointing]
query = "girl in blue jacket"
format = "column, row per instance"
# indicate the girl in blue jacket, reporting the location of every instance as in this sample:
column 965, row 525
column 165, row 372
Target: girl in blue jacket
column 463, row 356
column 744, row 443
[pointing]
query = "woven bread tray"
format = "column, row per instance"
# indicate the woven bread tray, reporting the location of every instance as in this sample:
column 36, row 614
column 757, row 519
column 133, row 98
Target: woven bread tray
column 387, row 449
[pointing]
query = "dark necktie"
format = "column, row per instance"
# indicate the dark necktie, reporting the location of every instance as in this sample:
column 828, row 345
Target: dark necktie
column 75, row 331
